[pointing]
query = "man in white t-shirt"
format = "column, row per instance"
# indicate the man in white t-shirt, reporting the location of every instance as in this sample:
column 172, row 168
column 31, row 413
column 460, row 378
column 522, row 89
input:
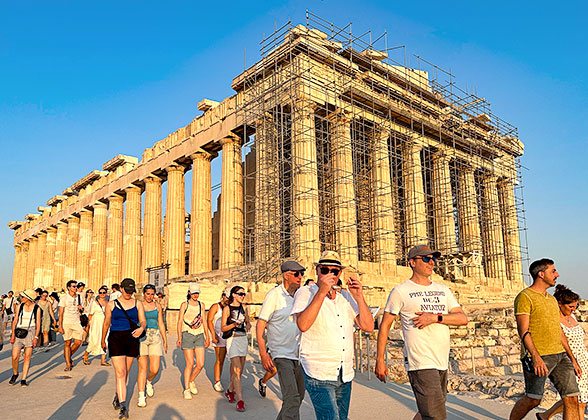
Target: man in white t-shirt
column 116, row 293
column 283, row 339
column 9, row 308
column 425, row 308
column 326, row 315
column 70, row 309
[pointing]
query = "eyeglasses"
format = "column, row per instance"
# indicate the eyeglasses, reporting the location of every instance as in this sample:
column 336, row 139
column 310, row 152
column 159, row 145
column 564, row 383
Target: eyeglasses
column 325, row 271
column 240, row 293
column 426, row 260
column 297, row 273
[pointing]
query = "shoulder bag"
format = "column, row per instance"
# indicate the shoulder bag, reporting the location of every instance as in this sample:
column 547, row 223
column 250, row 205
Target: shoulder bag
column 197, row 321
column 84, row 320
column 132, row 324
column 9, row 307
column 23, row 332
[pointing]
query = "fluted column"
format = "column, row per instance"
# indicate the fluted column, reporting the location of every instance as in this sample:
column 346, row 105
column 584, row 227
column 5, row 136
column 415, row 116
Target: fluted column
column 84, row 246
column 71, row 249
column 267, row 199
column 132, row 235
column 24, row 261
column 98, row 254
column 114, row 240
column 231, row 216
column 40, row 259
column 201, row 214
column 49, row 257
column 469, row 219
column 512, row 241
column 16, row 271
column 493, row 239
column 385, row 236
column 152, row 225
column 414, row 195
column 60, row 241
column 344, row 193
column 305, row 202
column 175, row 216
column 444, row 222
column 32, row 261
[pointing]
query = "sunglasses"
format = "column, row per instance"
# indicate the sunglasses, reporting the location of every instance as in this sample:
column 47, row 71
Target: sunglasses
column 102, row 293
column 426, row 259
column 324, row 271
column 297, row 273
column 241, row 294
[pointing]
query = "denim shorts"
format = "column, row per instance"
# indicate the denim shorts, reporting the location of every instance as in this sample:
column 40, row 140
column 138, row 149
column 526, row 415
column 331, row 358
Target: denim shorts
column 151, row 344
column 561, row 374
column 329, row 398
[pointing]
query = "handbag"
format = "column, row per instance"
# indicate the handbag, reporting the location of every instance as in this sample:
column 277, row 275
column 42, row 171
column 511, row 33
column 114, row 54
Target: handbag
column 131, row 322
column 84, row 320
column 229, row 333
column 9, row 308
column 23, row 332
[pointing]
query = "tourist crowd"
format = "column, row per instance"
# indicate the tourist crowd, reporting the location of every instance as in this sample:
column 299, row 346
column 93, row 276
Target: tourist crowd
column 305, row 335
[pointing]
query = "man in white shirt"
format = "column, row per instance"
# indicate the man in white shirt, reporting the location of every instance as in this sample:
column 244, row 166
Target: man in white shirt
column 69, row 323
column 326, row 315
column 116, row 293
column 283, row 338
column 426, row 308
column 9, row 307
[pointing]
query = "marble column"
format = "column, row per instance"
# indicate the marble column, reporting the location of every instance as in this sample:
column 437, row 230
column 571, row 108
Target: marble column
column 60, row 240
column 305, row 201
column 114, row 237
column 512, row 241
column 231, row 216
column 71, row 249
column 344, row 192
column 444, row 222
column 32, row 261
column 201, row 214
column 493, row 239
column 414, row 195
column 24, row 260
column 152, row 225
column 16, row 272
column 267, row 199
column 84, row 246
column 469, row 219
column 98, row 254
column 49, row 257
column 40, row 260
column 132, row 235
column 175, row 215
column 385, row 235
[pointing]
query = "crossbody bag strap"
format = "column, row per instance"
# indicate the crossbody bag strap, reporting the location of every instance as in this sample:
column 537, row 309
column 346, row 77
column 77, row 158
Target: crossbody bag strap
column 131, row 322
column 187, row 304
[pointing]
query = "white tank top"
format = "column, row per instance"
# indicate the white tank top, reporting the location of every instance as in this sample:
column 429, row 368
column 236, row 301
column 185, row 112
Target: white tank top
column 25, row 319
column 217, row 317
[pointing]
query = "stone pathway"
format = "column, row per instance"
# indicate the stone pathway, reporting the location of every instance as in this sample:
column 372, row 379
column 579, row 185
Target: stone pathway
column 87, row 391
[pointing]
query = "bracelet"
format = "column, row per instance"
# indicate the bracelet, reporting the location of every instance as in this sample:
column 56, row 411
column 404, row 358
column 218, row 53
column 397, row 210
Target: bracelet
column 36, row 337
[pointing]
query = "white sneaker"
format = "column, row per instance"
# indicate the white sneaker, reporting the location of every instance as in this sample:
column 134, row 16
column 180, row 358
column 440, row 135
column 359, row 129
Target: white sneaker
column 218, row 387
column 142, row 402
column 149, row 389
column 193, row 388
column 187, row 394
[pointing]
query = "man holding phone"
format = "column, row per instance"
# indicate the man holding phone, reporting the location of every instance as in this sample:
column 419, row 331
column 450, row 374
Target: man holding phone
column 326, row 314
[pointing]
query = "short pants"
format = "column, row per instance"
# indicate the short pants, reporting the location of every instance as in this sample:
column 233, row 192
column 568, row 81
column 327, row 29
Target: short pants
column 151, row 344
column 191, row 341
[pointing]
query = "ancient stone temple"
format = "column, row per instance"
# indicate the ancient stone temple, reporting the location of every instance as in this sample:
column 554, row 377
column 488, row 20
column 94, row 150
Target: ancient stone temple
column 327, row 143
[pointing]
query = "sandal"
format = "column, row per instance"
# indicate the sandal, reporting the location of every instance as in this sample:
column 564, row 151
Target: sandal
column 105, row 364
column 86, row 362
column 67, row 368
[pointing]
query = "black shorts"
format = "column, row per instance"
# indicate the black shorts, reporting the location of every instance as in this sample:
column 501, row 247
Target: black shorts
column 122, row 343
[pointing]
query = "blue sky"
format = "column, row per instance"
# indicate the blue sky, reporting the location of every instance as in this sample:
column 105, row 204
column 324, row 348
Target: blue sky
column 82, row 82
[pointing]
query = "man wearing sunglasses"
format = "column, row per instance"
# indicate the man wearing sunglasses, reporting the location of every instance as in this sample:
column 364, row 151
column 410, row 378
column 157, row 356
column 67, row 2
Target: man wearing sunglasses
column 283, row 339
column 426, row 309
column 326, row 315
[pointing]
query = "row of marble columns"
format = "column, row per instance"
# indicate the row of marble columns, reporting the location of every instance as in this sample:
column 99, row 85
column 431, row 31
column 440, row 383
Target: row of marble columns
column 498, row 240
column 104, row 243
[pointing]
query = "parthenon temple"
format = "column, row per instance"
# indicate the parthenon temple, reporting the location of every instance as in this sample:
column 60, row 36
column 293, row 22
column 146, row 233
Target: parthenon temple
column 329, row 142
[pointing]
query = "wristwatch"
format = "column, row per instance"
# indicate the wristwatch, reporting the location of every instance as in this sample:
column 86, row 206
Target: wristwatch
column 439, row 318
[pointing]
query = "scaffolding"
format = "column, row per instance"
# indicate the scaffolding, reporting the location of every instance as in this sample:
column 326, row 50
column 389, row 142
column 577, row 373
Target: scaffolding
column 341, row 131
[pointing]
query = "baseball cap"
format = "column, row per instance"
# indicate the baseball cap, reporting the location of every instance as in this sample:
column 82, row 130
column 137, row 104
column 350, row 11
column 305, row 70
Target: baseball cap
column 422, row 250
column 194, row 288
column 128, row 285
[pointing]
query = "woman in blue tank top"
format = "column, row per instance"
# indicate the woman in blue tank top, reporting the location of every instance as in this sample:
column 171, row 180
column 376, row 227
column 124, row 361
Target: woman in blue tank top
column 125, row 317
column 151, row 346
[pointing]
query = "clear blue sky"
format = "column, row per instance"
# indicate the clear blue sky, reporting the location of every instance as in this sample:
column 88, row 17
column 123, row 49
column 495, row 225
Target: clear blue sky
column 82, row 82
